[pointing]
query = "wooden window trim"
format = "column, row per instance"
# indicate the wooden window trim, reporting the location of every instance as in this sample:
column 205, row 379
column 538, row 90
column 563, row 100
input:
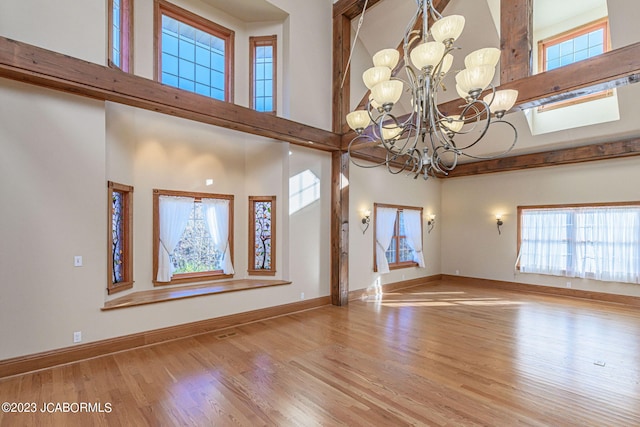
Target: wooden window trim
column 188, row 277
column 127, row 257
column 126, row 36
column 520, row 209
column 162, row 7
column 253, row 43
column 562, row 37
column 252, row 230
column 396, row 265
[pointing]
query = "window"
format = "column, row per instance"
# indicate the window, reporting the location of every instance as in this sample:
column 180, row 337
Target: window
column 599, row 242
column 120, row 238
column 121, row 34
column 572, row 46
column 193, row 236
column 398, row 237
column 262, row 235
column 193, row 53
column 263, row 73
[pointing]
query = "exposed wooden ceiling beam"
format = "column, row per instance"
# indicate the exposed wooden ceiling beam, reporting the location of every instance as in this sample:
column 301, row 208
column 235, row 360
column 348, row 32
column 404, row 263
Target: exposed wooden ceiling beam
column 588, row 153
column 351, row 8
column 31, row 64
column 516, row 39
column 618, row 67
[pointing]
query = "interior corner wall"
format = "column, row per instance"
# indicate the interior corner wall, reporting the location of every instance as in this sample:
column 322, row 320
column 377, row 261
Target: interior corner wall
column 377, row 185
column 471, row 244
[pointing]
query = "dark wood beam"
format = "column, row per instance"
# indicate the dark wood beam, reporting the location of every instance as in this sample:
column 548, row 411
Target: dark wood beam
column 341, row 75
column 612, row 69
column 34, row 65
column 587, row 153
column 339, row 228
column 516, row 39
column 351, row 8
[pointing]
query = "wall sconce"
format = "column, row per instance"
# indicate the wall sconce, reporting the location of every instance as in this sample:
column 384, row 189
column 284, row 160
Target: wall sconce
column 431, row 222
column 366, row 219
column 499, row 222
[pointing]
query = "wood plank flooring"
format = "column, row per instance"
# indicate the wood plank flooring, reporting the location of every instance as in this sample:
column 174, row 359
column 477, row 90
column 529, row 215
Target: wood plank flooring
column 441, row 354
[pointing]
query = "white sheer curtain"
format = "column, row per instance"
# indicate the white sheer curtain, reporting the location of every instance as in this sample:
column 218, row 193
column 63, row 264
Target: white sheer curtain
column 545, row 237
column 385, row 221
column 413, row 228
column 216, row 215
column 607, row 244
column 601, row 243
column 174, row 215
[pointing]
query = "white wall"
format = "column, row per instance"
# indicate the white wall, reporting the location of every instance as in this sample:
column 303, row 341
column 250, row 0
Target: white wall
column 471, row 244
column 59, row 150
column 369, row 186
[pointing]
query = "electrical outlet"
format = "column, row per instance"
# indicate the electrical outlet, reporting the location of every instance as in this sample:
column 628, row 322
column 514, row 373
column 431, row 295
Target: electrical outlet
column 301, row 295
column 457, row 272
column 568, row 284
column 77, row 336
column 77, row 261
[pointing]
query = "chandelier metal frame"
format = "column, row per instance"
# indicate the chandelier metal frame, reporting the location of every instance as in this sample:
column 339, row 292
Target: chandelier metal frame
column 423, row 143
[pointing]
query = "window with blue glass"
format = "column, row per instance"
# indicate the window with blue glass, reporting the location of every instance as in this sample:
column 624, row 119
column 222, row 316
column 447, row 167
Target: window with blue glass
column 263, row 73
column 121, row 34
column 194, row 54
column 572, row 46
column 576, row 45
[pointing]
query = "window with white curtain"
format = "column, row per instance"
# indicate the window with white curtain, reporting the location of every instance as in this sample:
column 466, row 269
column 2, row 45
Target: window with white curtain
column 398, row 237
column 194, row 236
column 599, row 242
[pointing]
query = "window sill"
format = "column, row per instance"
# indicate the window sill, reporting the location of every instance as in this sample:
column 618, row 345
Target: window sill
column 170, row 294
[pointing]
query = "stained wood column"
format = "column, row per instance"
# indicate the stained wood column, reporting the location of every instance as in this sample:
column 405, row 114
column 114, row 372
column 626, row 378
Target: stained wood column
column 516, row 39
column 339, row 228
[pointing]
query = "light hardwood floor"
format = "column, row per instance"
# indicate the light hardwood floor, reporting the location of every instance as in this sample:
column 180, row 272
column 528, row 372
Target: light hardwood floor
column 440, row 354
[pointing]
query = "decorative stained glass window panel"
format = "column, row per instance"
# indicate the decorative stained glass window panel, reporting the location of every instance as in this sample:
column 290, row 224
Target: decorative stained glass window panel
column 262, row 237
column 117, row 236
column 120, row 237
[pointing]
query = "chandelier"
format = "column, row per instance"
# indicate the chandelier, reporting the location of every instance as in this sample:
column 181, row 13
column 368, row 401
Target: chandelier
column 422, row 142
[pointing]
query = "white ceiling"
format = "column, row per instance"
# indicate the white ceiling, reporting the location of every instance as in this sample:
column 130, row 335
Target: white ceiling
column 249, row 10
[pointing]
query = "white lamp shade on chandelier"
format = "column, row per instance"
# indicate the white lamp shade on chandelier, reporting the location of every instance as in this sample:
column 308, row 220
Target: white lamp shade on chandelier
column 358, row 119
column 421, row 142
column 386, row 58
column 427, row 54
column 447, row 28
column 486, row 56
column 503, row 100
column 475, row 78
column 375, row 75
column 388, row 92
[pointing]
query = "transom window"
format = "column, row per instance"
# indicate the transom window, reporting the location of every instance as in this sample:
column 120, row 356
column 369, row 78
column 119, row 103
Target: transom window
column 194, row 54
column 263, row 73
column 194, row 239
column 398, row 237
column 599, row 242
